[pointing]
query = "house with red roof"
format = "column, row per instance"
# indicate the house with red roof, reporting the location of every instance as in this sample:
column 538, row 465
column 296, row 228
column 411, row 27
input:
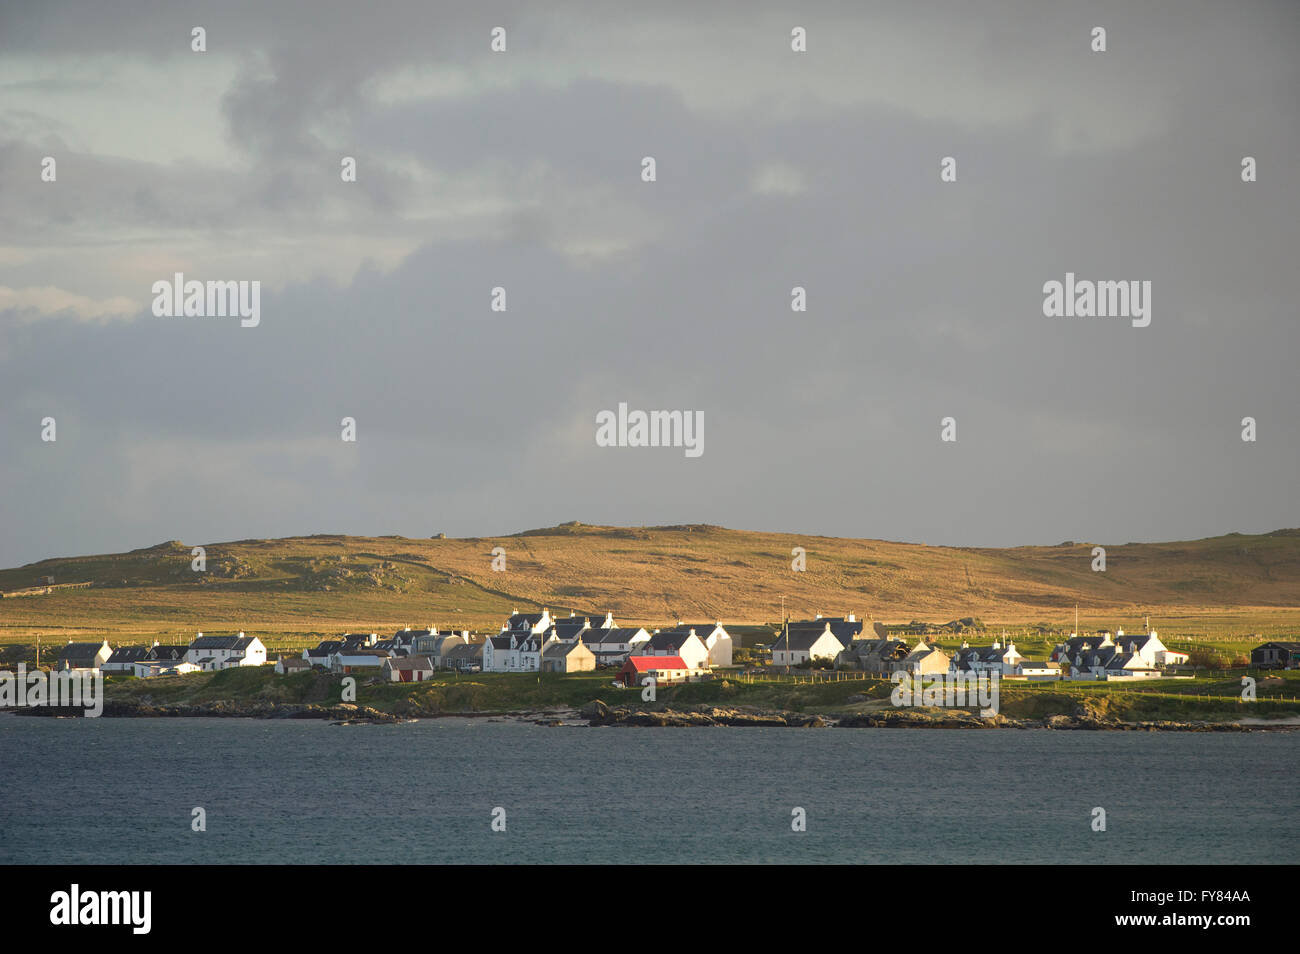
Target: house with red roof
column 665, row 670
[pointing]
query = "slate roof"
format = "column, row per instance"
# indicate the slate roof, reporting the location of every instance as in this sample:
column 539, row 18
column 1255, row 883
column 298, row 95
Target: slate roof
column 411, row 663
column 800, row 640
column 567, row 629
column 80, row 652
column 667, row 641
column 607, row 637
column 523, row 621
column 222, row 642
column 128, row 654
column 559, row 650
column 840, row 628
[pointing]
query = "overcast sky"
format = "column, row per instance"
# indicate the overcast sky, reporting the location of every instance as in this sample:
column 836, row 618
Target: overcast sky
column 523, row 170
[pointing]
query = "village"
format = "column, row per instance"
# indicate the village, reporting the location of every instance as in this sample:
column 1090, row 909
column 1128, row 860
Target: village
column 685, row 652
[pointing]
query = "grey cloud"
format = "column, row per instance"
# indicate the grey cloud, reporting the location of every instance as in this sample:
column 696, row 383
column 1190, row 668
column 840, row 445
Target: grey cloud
column 925, row 300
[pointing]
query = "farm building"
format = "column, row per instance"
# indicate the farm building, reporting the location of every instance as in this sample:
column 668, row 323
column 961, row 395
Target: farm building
column 1277, row 655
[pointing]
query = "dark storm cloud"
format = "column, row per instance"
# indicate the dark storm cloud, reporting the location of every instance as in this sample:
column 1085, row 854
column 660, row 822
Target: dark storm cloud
column 924, row 299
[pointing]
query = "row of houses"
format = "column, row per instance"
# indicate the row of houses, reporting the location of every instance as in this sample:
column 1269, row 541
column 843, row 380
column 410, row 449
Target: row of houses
column 1104, row 655
column 202, row 654
column 846, row 643
column 527, row 642
column 538, row 642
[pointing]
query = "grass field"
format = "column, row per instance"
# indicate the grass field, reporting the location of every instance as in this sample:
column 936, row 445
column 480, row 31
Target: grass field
column 1221, row 595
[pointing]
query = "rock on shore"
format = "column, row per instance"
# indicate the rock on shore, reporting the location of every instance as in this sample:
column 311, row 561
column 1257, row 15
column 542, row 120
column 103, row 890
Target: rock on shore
column 344, row 713
column 597, row 713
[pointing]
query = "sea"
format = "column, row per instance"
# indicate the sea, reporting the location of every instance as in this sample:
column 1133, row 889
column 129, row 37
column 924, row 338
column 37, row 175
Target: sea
column 485, row 791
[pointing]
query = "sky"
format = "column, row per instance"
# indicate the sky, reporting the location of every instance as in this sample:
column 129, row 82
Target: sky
column 522, row 170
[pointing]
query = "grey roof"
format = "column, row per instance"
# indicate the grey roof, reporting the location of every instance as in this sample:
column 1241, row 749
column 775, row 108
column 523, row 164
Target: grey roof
column 129, row 654
column 701, row 629
column 1136, row 640
column 1119, row 661
column 410, row 662
column 222, row 642
column 523, row 621
column 615, row 634
column 884, row 647
column 80, row 651
column 800, row 640
column 569, row 628
column 670, row 641
column 840, row 628
column 556, row 650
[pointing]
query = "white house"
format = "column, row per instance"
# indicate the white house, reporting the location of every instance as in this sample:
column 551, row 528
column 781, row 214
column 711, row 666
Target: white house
column 527, row 624
column 673, row 642
column 800, row 645
column 1150, row 649
column 407, row 669
column 165, row 667
column 1089, row 657
column 716, row 640
column 613, row 645
column 124, row 658
column 513, row 652
column 78, row 656
column 213, row 653
column 997, row 658
column 1038, row 669
column 1129, row 666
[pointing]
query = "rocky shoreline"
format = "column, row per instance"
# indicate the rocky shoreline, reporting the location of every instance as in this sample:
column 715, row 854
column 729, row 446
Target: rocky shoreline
column 598, row 714
column 343, row 713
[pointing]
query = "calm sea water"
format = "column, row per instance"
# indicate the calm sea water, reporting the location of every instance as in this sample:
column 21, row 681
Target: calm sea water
column 122, row 791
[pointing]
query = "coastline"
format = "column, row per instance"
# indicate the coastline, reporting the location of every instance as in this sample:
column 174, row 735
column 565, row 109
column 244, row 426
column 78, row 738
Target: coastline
column 599, row 715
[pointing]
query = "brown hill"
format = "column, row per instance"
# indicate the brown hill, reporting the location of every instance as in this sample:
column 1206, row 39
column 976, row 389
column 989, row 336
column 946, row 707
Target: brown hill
column 648, row 575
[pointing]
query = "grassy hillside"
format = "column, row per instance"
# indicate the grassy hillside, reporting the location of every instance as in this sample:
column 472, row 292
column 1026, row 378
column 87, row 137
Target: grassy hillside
column 291, row 590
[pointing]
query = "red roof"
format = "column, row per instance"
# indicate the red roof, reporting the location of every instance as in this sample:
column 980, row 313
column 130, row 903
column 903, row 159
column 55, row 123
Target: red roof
column 646, row 663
